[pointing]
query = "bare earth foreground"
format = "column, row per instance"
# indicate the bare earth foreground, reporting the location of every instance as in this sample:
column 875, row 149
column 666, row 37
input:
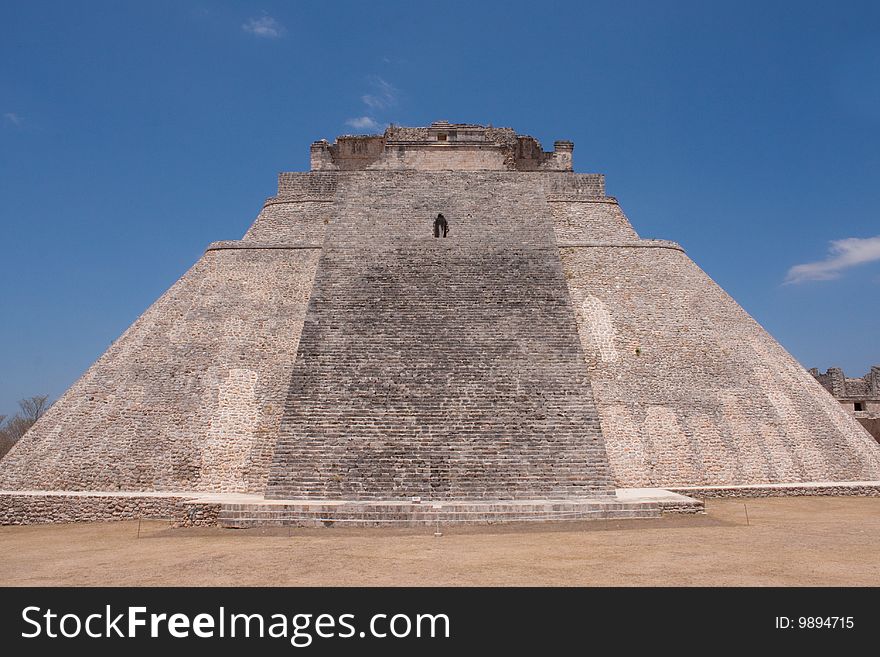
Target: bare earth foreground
column 787, row 541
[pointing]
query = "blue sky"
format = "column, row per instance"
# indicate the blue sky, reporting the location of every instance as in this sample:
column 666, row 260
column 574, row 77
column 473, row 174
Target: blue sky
column 132, row 134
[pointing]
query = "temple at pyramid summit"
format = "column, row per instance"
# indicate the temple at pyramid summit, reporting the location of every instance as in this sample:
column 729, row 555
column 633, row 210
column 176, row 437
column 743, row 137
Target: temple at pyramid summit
column 442, row 323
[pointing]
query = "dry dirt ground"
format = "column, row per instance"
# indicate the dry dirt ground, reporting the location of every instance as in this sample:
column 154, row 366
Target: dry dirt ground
column 787, row 541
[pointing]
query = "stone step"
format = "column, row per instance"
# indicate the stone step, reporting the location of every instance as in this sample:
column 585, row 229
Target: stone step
column 406, row 514
column 441, row 368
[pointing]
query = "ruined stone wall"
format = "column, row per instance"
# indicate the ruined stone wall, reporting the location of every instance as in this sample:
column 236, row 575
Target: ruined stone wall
column 445, row 158
column 530, row 156
column 866, row 388
column 440, row 147
column 455, row 132
column 443, row 368
column 353, row 153
column 190, row 396
column 690, row 389
column 858, row 396
column 405, row 133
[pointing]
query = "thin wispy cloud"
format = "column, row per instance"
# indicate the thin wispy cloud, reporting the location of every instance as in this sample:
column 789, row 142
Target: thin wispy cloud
column 363, row 123
column 264, row 27
column 382, row 94
column 842, row 255
column 12, row 118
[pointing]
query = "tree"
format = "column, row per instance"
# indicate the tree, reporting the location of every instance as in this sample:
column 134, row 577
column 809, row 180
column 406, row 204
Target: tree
column 33, row 408
column 12, row 429
column 6, row 442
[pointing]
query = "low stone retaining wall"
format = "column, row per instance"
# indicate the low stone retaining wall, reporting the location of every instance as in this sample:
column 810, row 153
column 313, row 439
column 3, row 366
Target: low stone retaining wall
column 403, row 514
column 34, row 508
column 197, row 513
column 841, row 489
column 693, row 506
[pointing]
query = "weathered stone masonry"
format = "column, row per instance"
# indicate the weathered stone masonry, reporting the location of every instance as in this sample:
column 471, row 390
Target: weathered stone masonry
column 860, row 396
column 691, row 390
column 442, row 368
column 339, row 351
column 188, row 398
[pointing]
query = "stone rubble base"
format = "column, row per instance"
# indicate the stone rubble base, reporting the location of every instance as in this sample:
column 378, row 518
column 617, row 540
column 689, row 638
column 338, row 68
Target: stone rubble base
column 43, row 507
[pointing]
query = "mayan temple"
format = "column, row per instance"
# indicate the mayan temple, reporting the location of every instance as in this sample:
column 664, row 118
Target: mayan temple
column 355, row 357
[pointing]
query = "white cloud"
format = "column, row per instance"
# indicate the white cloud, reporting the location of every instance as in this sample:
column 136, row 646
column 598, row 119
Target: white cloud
column 13, row 118
column 842, row 254
column 265, row 27
column 382, row 96
column 363, row 123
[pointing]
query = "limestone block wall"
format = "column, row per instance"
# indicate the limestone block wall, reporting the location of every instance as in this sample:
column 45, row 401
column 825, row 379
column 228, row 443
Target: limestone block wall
column 872, row 426
column 444, row 368
column 835, row 489
column 291, row 221
column 301, row 211
column 690, row 389
column 190, row 396
column 296, row 185
column 28, row 508
column 378, row 208
column 591, row 220
column 574, row 186
column 434, row 158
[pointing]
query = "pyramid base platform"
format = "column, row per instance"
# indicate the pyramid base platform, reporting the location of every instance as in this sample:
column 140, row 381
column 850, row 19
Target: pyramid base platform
column 238, row 510
column 315, row 513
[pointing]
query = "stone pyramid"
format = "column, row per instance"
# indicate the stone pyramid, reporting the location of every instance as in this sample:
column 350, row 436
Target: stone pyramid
column 341, row 351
